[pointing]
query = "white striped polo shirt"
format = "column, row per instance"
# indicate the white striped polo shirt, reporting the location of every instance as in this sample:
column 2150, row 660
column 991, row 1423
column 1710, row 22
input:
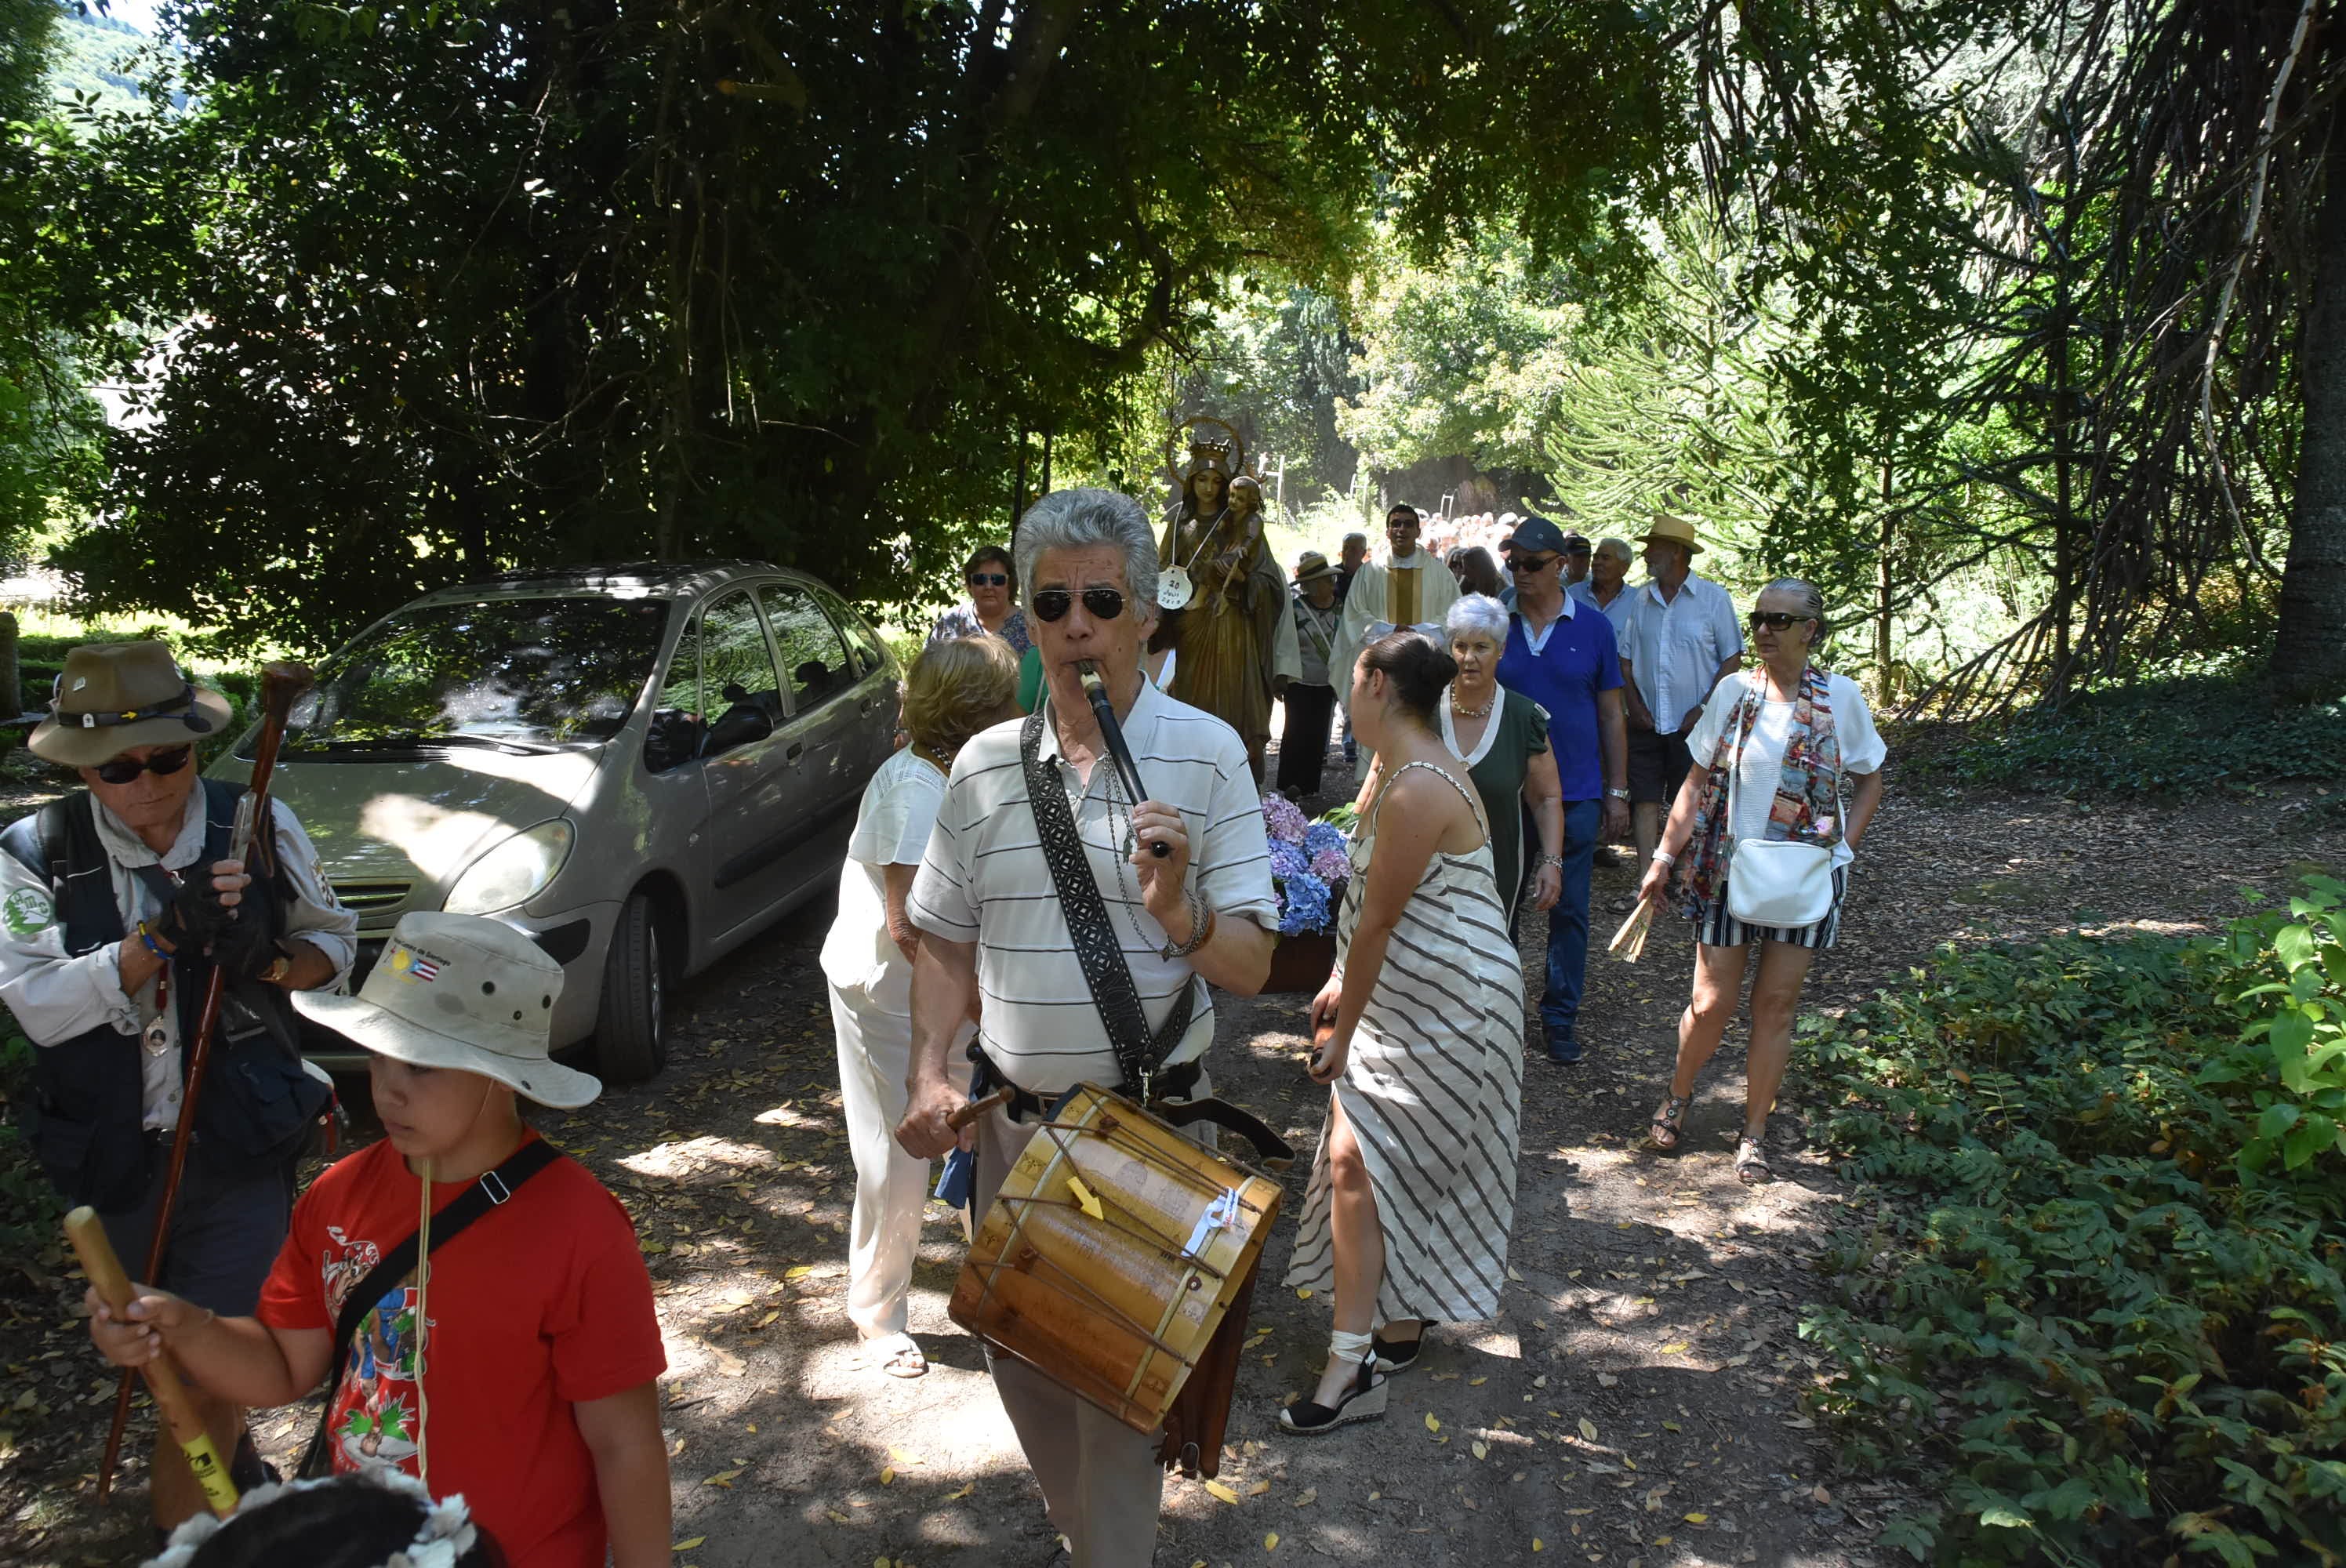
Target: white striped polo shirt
column 985, row 881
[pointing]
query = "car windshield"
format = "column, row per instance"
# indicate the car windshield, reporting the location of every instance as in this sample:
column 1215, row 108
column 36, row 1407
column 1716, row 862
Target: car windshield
column 518, row 674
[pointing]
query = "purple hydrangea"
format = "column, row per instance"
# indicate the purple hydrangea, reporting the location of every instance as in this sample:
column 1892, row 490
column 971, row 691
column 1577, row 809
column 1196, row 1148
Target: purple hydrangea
column 1304, row 905
column 1323, row 836
column 1284, row 818
column 1287, row 860
column 1329, row 863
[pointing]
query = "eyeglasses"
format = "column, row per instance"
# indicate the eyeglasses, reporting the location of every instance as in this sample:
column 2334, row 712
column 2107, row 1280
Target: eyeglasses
column 1100, row 603
column 1524, row 566
column 1775, row 620
column 123, row 769
column 986, row 579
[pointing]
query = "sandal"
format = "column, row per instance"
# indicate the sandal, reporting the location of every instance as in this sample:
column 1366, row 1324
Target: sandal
column 899, row 1356
column 1363, row 1401
column 1392, row 1356
column 1662, row 1133
column 1751, row 1164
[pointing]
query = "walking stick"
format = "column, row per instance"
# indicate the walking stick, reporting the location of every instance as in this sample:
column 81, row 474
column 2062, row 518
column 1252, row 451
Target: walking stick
column 180, row 1416
column 281, row 683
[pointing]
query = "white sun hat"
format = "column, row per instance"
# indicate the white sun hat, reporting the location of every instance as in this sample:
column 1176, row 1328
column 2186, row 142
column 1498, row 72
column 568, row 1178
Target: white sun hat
column 461, row 992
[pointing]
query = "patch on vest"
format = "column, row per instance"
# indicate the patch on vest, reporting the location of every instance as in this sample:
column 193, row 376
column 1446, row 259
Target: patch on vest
column 29, row 911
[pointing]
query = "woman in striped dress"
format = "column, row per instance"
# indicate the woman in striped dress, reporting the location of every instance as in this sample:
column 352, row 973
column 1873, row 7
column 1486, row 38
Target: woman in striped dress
column 1419, row 1033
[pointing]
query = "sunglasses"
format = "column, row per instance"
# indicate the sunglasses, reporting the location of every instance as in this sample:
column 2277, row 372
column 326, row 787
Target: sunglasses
column 123, row 769
column 986, row 579
column 1775, row 620
column 1525, row 564
column 1100, row 603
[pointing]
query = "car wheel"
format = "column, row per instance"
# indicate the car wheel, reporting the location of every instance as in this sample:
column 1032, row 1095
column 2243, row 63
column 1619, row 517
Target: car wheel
column 631, row 1029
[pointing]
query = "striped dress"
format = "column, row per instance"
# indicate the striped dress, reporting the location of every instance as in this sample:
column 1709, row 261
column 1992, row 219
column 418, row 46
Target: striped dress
column 1434, row 1089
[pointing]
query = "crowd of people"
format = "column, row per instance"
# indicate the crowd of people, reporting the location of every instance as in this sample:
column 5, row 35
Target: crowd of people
column 1046, row 886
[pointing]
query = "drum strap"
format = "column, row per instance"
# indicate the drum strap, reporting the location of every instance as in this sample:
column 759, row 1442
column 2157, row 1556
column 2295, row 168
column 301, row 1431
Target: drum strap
column 1138, row 1051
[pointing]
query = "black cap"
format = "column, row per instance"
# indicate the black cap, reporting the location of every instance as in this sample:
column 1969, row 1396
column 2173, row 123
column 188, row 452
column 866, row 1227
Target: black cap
column 1535, row 533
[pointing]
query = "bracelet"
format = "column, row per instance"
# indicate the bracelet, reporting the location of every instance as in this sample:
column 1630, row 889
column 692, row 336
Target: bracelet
column 157, row 948
column 1616, row 794
column 1665, row 858
column 1556, row 860
column 1201, row 929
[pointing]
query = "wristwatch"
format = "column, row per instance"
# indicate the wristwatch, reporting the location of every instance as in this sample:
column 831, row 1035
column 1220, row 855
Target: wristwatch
column 1616, row 794
column 1556, row 860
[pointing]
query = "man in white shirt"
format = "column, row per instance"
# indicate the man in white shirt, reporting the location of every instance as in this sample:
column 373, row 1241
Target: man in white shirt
column 1411, row 588
column 1682, row 639
column 993, row 927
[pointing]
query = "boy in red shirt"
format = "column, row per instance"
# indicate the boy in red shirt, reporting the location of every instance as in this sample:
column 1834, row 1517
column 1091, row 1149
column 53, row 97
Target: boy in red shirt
column 519, row 1367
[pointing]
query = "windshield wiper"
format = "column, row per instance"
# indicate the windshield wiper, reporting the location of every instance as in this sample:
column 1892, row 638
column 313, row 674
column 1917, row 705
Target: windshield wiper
column 438, row 742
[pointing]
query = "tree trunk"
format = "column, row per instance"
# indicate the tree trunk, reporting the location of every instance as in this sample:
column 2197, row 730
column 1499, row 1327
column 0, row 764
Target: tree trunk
column 1885, row 672
column 2310, row 654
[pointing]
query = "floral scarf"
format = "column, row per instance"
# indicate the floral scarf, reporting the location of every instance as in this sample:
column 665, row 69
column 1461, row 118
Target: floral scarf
column 1807, row 787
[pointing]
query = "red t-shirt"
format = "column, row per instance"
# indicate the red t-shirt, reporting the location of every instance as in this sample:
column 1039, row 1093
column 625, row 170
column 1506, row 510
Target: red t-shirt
column 540, row 1303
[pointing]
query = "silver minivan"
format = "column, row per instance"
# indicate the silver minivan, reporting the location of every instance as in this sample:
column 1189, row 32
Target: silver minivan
column 638, row 766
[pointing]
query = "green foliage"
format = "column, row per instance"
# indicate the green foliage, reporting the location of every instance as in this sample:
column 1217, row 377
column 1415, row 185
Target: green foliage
column 2182, row 733
column 2099, row 1299
column 29, row 1208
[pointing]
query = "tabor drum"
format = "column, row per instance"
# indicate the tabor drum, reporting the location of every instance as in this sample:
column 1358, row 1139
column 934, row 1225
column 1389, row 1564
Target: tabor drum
column 1111, row 1253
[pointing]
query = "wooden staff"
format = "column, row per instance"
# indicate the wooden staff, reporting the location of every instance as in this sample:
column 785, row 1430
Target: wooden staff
column 180, row 1416
column 280, row 685
column 967, row 1113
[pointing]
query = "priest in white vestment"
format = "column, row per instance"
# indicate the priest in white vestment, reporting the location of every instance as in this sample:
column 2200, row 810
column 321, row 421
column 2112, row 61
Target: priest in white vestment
column 1410, row 587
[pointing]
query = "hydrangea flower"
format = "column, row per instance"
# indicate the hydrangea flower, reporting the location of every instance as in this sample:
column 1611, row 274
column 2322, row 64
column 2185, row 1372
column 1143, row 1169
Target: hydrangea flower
column 1284, row 818
column 1321, row 835
column 1304, row 906
column 1287, row 860
column 1329, row 863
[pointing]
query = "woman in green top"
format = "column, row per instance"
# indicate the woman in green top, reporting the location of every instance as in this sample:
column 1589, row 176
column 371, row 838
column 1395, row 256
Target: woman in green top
column 1502, row 737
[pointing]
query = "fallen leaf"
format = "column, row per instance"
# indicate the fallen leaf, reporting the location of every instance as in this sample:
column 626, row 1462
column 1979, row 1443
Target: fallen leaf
column 1431, row 1424
column 1588, row 1428
column 1304, row 1293
column 1676, row 1348
column 1538, row 1544
column 1270, row 1542
column 1481, row 1451
column 966, row 1488
column 835, row 1516
column 1307, row 1497
column 722, row 1477
column 904, row 1457
column 887, row 1475
column 688, row 1545
column 1225, row 1492
column 1698, row 1519
column 1477, row 1383
column 1257, row 1489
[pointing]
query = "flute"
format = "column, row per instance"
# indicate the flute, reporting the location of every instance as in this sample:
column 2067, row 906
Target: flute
column 1118, row 752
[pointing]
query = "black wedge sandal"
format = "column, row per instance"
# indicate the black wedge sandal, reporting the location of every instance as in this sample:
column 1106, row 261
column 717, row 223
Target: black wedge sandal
column 1363, row 1401
column 1394, row 1356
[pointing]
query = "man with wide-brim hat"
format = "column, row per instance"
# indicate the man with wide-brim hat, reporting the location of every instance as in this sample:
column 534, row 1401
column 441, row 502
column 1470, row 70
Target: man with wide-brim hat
column 1681, row 638
column 518, row 1366
column 1315, row 617
column 117, row 902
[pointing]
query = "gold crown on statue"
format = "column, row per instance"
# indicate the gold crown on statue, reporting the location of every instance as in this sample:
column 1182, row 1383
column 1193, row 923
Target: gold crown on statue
column 1212, row 452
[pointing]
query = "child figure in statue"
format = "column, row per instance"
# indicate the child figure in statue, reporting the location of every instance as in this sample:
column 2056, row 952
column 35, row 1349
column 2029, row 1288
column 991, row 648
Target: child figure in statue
column 1228, row 631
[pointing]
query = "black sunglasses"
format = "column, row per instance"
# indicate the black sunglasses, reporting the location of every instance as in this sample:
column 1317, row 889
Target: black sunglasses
column 123, row 769
column 1523, row 564
column 988, row 579
column 1775, row 620
column 1100, row 603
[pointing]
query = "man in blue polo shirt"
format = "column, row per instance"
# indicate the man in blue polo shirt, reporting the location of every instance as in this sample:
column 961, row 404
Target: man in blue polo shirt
column 1562, row 656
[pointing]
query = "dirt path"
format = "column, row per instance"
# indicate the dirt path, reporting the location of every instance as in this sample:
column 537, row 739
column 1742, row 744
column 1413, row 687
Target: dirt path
column 1636, row 1405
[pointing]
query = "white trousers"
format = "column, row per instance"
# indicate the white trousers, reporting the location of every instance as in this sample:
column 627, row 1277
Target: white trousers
column 891, row 1187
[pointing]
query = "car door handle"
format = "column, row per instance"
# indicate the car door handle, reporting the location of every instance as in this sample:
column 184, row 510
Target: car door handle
column 797, row 750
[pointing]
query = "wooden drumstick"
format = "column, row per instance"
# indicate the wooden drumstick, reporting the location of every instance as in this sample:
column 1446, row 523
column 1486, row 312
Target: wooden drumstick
column 976, row 1109
column 162, row 1374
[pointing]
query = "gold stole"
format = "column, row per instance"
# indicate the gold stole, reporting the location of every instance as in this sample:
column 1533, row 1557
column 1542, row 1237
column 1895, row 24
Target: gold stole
column 1401, row 595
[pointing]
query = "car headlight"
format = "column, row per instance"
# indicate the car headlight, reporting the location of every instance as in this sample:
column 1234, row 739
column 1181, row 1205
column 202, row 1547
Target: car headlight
column 514, row 872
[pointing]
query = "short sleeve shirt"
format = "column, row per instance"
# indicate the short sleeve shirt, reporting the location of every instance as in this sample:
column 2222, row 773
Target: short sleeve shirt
column 539, row 1305
column 985, row 881
column 1575, row 663
column 1863, row 750
column 892, row 829
column 1675, row 647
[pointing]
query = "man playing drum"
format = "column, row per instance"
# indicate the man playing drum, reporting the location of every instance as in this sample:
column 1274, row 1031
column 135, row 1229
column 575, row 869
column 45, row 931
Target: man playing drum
column 993, row 927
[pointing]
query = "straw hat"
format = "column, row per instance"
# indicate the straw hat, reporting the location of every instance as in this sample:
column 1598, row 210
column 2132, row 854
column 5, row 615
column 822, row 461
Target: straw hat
column 1675, row 529
column 1310, row 566
column 115, row 696
column 463, row 992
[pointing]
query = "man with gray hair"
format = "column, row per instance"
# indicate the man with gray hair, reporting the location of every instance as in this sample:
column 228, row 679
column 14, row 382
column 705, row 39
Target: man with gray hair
column 996, row 922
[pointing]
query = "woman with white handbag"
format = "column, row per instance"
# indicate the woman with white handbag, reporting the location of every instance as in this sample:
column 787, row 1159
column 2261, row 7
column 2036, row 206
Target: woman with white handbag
column 1786, row 778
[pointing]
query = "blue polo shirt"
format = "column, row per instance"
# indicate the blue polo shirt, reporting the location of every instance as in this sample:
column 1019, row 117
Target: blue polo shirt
column 1576, row 660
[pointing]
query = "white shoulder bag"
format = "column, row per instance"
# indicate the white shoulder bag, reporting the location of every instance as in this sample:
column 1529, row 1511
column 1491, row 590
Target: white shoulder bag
column 1777, row 882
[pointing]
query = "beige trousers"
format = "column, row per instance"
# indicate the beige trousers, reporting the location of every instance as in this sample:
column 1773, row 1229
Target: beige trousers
column 1101, row 1483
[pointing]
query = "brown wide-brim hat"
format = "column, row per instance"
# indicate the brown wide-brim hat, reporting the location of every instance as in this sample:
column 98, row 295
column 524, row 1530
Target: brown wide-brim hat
column 1312, row 565
column 1676, row 529
column 115, row 696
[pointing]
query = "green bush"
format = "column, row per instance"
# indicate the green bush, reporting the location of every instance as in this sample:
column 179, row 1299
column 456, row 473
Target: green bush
column 2097, row 1296
column 29, row 1208
column 2182, row 733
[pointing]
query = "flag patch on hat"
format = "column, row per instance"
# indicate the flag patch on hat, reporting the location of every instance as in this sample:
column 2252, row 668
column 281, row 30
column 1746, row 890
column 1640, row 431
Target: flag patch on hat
column 407, row 961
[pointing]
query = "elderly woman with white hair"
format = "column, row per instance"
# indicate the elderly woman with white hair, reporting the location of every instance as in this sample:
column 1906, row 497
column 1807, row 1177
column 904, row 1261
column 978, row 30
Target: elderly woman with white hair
column 1787, row 764
column 1502, row 737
